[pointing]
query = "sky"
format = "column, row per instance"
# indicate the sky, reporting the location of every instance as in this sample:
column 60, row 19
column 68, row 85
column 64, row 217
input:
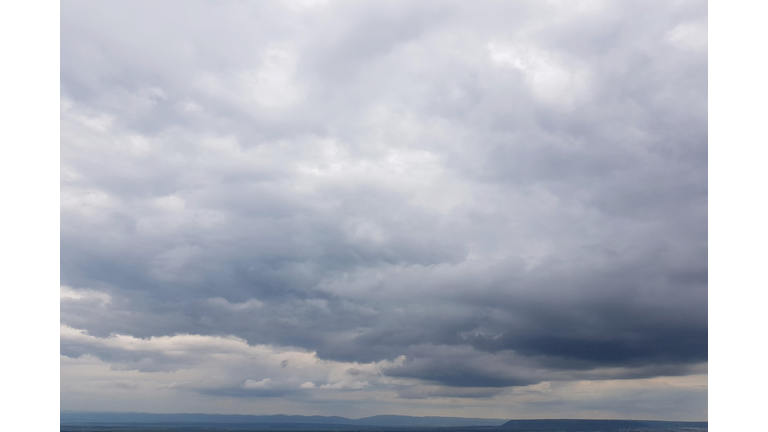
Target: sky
column 477, row 209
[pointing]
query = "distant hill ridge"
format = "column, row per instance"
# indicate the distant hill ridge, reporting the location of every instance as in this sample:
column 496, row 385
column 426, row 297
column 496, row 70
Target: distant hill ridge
column 299, row 422
column 567, row 425
column 378, row 420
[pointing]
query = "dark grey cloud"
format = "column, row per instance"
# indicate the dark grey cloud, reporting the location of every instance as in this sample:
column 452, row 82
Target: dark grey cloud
column 246, row 393
column 506, row 194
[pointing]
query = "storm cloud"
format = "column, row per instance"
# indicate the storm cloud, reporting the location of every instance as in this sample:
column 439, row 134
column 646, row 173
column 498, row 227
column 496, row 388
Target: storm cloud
column 452, row 200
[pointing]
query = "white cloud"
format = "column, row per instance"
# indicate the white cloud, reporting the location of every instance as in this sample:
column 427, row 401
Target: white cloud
column 551, row 81
column 190, row 106
column 170, row 203
column 271, row 85
column 263, row 384
column 689, row 35
column 67, row 293
column 346, row 385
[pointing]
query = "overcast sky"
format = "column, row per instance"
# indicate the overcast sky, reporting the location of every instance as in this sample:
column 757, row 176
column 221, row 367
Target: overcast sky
column 480, row 209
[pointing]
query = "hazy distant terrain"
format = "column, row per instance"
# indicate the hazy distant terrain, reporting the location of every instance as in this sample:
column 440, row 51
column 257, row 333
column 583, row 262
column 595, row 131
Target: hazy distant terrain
column 72, row 421
column 275, row 421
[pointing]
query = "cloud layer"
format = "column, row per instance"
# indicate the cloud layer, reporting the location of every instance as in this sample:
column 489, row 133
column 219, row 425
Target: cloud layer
column 429, row 201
